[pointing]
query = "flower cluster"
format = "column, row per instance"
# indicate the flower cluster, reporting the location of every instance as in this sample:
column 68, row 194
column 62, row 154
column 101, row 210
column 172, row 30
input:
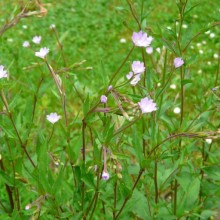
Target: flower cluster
column 37, row 40
column 135, row 75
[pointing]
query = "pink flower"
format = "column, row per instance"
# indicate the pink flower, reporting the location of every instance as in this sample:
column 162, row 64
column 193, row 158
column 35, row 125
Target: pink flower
column 136, row 78
column 42, row 53
column 149, row 50
column 3, row 73
column 36, row 39
column 103, row 99
column 105, row 175
column 140, row 39
column 53, row 117
column 138, row 67
column 178, row 62
column 147, row 105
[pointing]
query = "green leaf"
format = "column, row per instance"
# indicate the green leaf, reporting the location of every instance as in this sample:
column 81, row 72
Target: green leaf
column 186, row 81
column 6, row 178
column 86, row 105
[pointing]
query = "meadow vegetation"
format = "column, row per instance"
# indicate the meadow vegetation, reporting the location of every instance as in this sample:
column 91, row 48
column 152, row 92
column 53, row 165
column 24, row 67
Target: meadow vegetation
column 109, row 109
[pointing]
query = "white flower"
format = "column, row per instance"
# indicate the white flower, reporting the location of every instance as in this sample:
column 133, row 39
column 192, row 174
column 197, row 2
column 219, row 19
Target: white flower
column 52, row 26
column 185, row 26
column 3, row 73
column 208, row 140
column 198, row 44
column 147, row 105
column 212, row 35
column 138, row 67
column 26, row 44
column 105, row 175
column 36, row 39
column 201, row 51
column 215, row 56
column 158, row 84
column 122, row 40
column 177, row 110
column 149, row 50
column 207, row 32
column 209, row 63
column 173, row 86
column 42, row 53
column 158, row 49
column 27, row 207
column 53, row 117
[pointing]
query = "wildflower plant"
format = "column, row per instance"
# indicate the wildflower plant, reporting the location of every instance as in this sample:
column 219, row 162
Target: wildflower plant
column 135, row 136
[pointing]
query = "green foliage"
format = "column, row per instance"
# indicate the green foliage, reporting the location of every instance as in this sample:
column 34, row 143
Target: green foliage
column 163, row 164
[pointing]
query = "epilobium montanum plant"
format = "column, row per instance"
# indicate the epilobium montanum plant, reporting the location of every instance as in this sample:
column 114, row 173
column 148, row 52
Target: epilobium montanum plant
column 137, row 134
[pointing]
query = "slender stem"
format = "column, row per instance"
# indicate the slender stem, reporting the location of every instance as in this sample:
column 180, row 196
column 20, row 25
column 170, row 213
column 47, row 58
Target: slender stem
column 175, row 197
column 126, row 126
column 198, row 34
column 8, row 188
column 94, row 207
column 164, row 87
column 134, row 14
column 64, row 109
column 15, row 128
column 2, row 205
column 128, row 197
column 51, row 135
column 182, row 95
column 60, row 46
column 218, row 70
column 155, row 182
column 143, row 139
column 115, row 199
column 145, row 65
column 83, row 140
column 119, row 68
column 35, row 99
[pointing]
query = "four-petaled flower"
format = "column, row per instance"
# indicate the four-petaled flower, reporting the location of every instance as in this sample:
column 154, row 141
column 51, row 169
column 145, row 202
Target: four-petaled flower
column 103, row 99
column 140, row 39
column 42, row 53
column 178, row 62
column 105, row 175
column 138, row 67
column 3, row 73
column 53, row 117
column 147, row 105
column 36, row 39
column 26, row 44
